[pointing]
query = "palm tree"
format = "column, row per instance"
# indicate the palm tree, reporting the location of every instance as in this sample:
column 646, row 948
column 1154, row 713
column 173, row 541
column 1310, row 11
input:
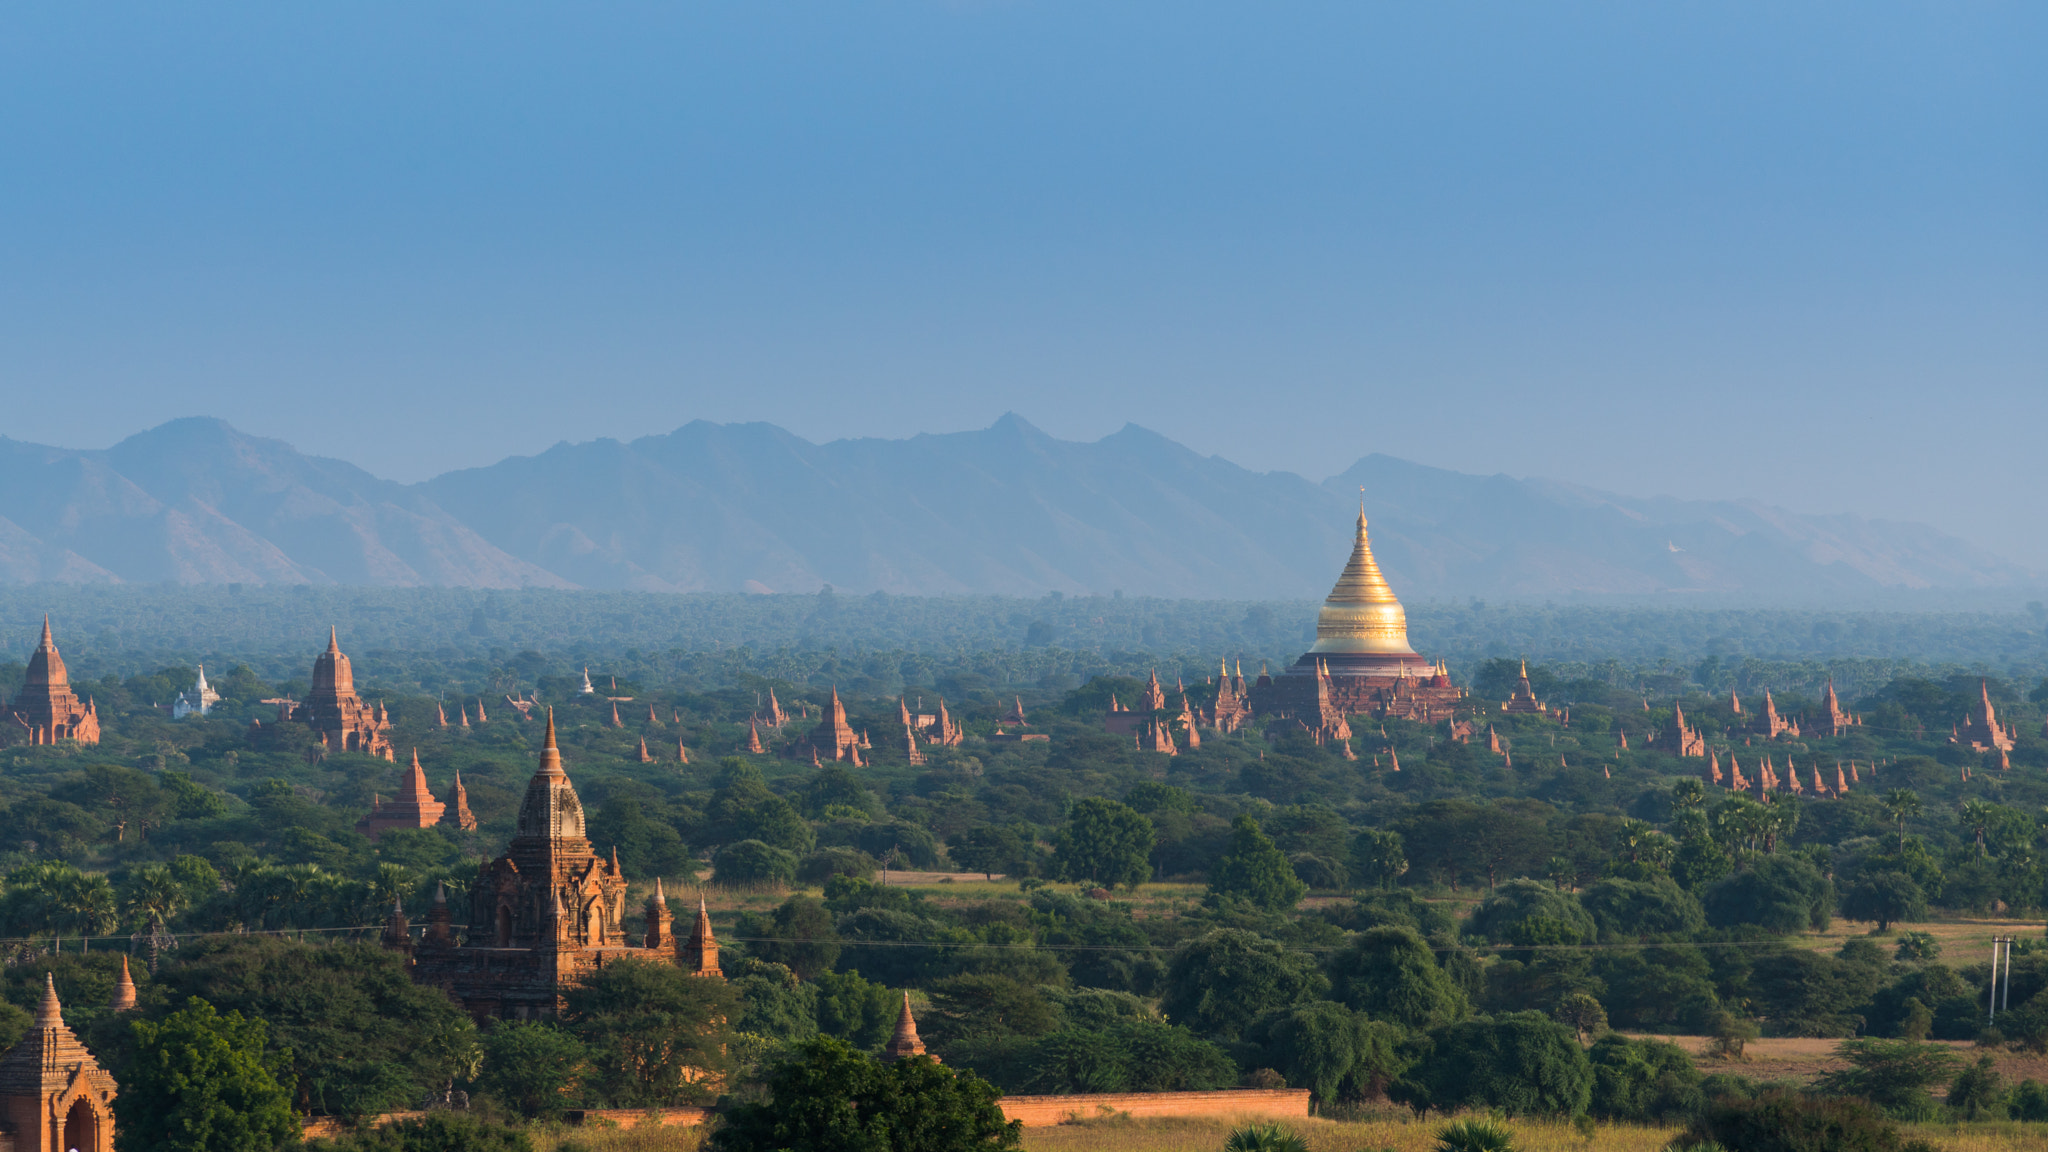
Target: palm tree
column 1901, row 804
column 86, row 904
column 154, row 898
column 1977, row 816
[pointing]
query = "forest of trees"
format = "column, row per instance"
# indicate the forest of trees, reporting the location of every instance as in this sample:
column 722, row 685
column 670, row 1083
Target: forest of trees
column 1473, row 930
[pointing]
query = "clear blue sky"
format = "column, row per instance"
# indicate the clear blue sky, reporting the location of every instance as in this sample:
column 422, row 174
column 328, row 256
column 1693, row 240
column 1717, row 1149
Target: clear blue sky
column 1789, row 251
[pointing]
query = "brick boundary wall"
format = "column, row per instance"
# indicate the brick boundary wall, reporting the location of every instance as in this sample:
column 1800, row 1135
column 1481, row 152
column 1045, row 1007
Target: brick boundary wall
column 1042, row 1111
column 1034, row 1111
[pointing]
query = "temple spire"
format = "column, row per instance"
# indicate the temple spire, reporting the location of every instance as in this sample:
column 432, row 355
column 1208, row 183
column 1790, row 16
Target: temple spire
column 124, row 992
column 49, row 1014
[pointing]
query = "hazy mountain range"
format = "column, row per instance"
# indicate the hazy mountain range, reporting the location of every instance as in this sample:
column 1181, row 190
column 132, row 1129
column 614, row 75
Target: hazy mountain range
column 1008, row 509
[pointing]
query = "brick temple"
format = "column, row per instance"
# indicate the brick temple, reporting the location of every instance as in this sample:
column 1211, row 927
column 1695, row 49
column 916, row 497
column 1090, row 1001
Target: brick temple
column 47, row 710
column 333, row 710
column 544, row 914
column 53, row 1095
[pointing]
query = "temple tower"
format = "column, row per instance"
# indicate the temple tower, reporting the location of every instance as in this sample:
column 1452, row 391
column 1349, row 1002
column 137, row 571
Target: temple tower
column 905, row 1043
column 332, row 708
column 47, row 710
column 1361, row 660
column 54, row 1097
column 415, row 806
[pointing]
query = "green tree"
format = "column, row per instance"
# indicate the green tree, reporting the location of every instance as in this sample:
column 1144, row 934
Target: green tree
column 203, row 1082
column 1900, row 805
column 533, row 1067
column 1884, row 898
column 1106, row 842
column 358, row 1034
column 1253, row 869
column 800, row 934
column 1378, row 857
column 1582, row 1014
column 1656, row 908
column 987, row 1006
column 1642, row 1081
column 1521, row 1063
column 1390, row 973
column 1525, row 912
column 992, row 848
column 856, row 1010
column 1778, row 893
column 656, row 1034
column 826, row 1097
column 1978, row 1092
column 1333, row 1051
column 754, row 862
column 743, row 808
column 1222, row 981
column 1892, row 1074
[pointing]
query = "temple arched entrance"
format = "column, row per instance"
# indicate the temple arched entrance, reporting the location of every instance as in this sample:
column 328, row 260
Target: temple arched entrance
column 82, row 1127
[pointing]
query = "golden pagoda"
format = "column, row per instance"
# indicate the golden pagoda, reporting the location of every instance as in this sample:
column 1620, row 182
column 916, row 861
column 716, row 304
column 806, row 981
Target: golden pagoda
column 1361, row 656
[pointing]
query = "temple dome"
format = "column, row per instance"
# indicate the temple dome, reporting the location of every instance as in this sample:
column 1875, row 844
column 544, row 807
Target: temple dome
column 1361, row 616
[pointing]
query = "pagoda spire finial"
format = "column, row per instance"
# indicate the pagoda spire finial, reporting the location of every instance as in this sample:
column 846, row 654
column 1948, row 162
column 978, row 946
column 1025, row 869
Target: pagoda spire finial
column 48, row 640
column 49, row 1014
column 333, row 641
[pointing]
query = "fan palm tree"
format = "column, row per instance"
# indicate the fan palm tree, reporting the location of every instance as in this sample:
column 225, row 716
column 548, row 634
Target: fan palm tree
column 1901, row 804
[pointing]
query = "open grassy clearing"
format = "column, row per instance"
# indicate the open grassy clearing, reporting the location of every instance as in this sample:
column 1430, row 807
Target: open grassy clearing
column 1800, row 1060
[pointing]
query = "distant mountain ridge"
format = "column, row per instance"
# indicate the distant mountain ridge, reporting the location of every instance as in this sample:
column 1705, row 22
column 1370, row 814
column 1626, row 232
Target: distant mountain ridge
column 1006, row 510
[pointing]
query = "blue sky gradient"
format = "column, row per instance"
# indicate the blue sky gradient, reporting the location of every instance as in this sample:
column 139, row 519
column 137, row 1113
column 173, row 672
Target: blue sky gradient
column 1797, row 252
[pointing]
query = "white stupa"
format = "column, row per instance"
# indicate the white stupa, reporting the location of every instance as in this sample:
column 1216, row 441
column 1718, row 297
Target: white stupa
column 588, row 688
column 200, row 698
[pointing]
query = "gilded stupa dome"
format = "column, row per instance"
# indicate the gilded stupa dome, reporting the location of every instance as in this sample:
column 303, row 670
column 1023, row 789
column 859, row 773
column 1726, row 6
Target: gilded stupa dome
column 1361, row 616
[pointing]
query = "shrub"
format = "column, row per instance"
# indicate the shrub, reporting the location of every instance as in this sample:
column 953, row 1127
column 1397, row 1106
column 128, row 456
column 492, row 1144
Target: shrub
column 434, row 1132
column 1475, row 1136
column 1264, row 1138
column 2029, row 1101
column 1787, row 1122
column 1643, row 1080
column 1978, row 1092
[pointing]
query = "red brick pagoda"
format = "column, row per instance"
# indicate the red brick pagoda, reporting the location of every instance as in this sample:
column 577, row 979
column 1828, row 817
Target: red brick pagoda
column 53, row 1094
column 414, row 807
column 334, row 711
column 47, row 710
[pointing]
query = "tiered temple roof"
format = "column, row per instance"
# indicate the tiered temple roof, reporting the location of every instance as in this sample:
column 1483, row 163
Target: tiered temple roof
column 414, row 807
column 53, row 1095
column 1830, row 720
column 334, row 711
column 544, row 913
column 47, row 710
column 834, row 739
column 1981, row 729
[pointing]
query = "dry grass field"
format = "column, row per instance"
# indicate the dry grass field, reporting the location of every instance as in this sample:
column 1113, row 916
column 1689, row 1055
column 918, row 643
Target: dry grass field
column 1397, row 1132
column 1800, row 1060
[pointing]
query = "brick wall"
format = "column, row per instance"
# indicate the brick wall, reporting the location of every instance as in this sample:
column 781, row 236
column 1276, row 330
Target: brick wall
column 1040, row 1111
column 1034, row 1111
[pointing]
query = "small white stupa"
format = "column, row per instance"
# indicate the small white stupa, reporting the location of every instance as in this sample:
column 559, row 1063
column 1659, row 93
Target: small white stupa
column 200, row 698
column 588, row 688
